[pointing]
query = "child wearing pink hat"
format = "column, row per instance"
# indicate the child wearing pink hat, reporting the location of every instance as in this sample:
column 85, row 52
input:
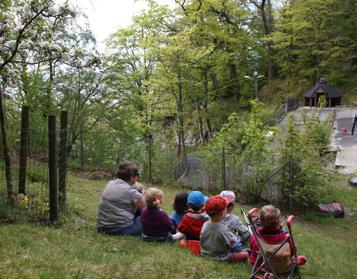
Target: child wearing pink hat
column 233, row 221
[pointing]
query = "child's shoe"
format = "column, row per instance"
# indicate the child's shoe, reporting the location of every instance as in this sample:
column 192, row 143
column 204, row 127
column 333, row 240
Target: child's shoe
column 183, row 243
column 238, row 257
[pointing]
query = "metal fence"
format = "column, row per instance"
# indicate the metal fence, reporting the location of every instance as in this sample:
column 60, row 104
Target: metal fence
column 28, row 182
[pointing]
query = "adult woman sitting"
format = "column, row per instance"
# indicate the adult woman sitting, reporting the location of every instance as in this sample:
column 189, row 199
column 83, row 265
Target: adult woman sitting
column 119, row 202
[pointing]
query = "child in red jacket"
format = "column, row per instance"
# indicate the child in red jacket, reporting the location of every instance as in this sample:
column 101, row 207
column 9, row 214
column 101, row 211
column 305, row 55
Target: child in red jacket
column 271, row 231
column 195, row 217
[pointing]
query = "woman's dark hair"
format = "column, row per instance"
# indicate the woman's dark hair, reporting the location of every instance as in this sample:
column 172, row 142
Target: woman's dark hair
column 180, row 203
column 127, row 169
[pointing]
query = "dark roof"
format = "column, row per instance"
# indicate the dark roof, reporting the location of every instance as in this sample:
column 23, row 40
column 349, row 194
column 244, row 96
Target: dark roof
column 325, row 87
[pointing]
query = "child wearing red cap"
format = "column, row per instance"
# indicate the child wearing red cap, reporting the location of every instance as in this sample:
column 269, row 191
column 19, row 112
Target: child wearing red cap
column 217, row 241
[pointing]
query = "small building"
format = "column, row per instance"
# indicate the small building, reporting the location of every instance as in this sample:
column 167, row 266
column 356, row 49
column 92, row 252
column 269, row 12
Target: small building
column 312, row 96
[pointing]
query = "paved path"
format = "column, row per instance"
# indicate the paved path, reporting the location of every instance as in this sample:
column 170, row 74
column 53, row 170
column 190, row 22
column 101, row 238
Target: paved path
column 309, row 112
column 345, row 145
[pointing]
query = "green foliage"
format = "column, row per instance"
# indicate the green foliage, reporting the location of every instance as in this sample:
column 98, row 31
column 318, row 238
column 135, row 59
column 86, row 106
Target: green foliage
column 26, row 208
column 312, row 39
column 175, row 72
column 304, row 179
column 250, row 158
column 317, row 132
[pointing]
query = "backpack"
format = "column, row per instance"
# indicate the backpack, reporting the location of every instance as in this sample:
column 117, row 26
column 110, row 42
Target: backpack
column 332, row 209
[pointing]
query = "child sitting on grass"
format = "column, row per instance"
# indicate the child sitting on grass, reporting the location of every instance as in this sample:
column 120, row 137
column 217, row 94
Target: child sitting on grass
column 270, row 231
column 217, row 241
column 232, row 221
column 195, row 217
column 157, row 225
column 180, row 208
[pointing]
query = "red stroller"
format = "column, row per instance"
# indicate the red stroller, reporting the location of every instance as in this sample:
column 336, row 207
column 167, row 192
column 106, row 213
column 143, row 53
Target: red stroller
column 275, row 259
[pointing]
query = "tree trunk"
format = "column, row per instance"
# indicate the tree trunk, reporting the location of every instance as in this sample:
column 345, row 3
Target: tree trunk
column 49, row 86
column 6, row 152
column 200, row 122
column 205, row 106
column 288, row 66
column 268, row 30
column 218, row 94
column 178, row 144
column 235, row 87
column 149, row 140
column 180, row 114
column 265, row 11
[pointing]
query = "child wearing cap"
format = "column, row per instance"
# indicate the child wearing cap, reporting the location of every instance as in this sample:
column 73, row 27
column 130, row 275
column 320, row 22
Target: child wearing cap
column 217, row 240
column 195, row 217
column 232, row 221
column 157, row 225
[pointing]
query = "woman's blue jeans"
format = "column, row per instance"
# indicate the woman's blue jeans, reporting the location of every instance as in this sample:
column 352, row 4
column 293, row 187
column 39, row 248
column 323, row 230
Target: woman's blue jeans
column 135, row 229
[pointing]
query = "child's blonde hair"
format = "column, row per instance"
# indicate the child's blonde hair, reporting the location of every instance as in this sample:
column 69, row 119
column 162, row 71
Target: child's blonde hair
column 151, row 195
column 139, row 187
column 270, row 217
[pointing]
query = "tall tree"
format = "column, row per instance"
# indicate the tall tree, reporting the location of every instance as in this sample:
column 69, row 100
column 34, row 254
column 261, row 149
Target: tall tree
column 311, row 41
column 22, row 23
column 265, row 12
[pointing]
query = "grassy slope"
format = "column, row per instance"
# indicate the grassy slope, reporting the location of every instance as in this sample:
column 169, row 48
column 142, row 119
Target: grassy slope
column 75, row 250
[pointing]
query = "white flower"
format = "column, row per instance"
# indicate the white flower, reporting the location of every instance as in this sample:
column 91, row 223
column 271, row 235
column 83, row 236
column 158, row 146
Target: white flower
column 55, row 47
column 30, row 33
column 42, row 44
column 66, row 56
column 10, row 44
column 53, row 10
column 25, row 44
column 72, row 52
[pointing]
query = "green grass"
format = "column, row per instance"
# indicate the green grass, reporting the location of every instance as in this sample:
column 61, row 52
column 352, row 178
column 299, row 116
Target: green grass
column 73, row 249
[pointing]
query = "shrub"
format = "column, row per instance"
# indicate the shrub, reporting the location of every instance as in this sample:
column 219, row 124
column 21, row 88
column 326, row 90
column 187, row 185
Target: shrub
column 304, row 178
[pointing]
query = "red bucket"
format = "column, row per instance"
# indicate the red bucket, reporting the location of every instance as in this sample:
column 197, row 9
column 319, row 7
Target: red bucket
column 194, row 247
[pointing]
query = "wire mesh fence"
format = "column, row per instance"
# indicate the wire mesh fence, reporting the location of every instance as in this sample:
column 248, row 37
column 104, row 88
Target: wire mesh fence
column 222, row 169
column 99, row 160
column 29, row 179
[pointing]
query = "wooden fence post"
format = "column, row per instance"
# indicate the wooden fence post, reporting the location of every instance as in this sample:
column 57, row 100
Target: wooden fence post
column 62, row 162
column 52, row 167
column 149, row 150
column 6, row 151
column 23, row 148
column 81, row 154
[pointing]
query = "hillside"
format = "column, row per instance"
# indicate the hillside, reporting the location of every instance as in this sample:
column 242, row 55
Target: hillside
column 73, row 249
